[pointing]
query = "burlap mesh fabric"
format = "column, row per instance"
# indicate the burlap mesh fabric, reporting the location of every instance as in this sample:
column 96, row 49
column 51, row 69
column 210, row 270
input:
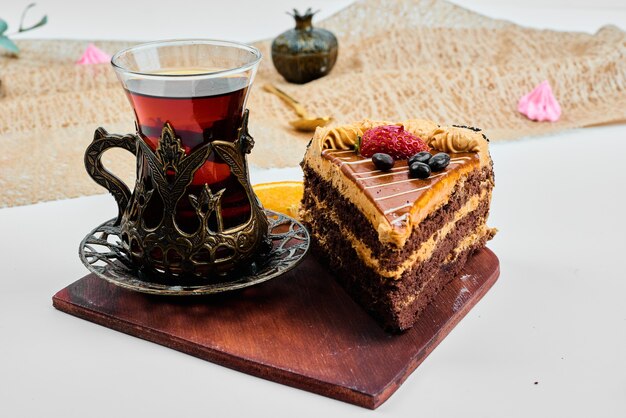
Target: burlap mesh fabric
column 397, row 60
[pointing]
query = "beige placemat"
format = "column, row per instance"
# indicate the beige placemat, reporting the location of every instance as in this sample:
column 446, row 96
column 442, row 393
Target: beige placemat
column 397, row 60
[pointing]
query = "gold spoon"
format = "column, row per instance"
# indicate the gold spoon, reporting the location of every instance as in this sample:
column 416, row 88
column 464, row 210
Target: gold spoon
column 305, row 123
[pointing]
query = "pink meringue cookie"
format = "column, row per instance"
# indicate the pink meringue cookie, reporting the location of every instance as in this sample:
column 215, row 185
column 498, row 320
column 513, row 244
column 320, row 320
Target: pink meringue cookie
column 540, row 104
column 93, row 55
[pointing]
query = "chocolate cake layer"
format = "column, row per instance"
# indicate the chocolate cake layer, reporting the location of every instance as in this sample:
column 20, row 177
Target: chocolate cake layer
column 396, row 303
column 354, row 220
column 406, row 317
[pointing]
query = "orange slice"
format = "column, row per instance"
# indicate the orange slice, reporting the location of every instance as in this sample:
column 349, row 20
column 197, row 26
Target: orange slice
column 281, row 196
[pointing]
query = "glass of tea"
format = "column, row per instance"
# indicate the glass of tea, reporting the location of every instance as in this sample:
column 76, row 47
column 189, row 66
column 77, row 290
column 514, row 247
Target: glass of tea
column 200, row 87
column 192, row 209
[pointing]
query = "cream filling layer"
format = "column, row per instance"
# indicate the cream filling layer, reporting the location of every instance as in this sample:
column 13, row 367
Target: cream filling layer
column 469, row 240
column 423, row 252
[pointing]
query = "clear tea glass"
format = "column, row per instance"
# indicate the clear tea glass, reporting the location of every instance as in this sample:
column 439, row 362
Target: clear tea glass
column 200, row 87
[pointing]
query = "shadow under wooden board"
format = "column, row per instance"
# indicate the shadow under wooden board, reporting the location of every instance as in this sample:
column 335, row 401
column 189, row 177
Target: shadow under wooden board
column 300, row 329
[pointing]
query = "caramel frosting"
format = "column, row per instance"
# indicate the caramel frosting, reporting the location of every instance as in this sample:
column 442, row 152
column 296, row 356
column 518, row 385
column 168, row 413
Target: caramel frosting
column 344, row 137
column 341, row 137
column 393, row 198
column 392, row 201
column 450, row 139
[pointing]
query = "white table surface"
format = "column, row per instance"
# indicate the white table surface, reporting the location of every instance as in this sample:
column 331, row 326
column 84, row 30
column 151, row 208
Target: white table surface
column 556, row 316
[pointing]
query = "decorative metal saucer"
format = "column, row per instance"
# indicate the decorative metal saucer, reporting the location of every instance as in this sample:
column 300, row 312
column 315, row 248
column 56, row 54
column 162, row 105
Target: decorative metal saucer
column 102, row 253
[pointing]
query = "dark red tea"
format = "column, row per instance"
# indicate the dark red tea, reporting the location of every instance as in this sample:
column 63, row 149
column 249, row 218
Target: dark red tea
column 197, row 121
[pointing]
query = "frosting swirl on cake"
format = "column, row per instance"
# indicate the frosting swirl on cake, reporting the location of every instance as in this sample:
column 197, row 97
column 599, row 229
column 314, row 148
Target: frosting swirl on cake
column 341, row 137
column 456, row 139
column 452, row 139
column 344, row 137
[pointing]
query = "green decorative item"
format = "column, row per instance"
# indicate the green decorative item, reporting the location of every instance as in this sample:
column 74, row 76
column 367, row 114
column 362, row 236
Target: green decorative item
column 6, row 43
column 304, row 53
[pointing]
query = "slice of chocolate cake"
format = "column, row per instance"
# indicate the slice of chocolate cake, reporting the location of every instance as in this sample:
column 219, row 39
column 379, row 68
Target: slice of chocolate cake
column 396, row 235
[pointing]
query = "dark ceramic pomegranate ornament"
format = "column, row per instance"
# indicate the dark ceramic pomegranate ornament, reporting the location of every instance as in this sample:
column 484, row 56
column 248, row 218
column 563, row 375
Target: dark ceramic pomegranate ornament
column 304, row 53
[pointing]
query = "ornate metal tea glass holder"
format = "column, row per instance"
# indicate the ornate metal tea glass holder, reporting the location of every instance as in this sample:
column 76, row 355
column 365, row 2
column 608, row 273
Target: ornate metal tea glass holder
column 162, row 247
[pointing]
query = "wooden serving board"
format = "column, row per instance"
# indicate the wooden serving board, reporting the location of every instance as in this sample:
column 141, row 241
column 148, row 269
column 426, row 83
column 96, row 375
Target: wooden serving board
column 300, row 329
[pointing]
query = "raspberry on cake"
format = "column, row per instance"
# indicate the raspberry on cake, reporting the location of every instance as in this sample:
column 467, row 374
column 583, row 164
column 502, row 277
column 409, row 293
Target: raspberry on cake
column 395, row 238
column 392, row 140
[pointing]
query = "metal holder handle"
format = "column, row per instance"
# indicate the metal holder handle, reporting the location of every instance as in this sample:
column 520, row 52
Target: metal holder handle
column 102, row 141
